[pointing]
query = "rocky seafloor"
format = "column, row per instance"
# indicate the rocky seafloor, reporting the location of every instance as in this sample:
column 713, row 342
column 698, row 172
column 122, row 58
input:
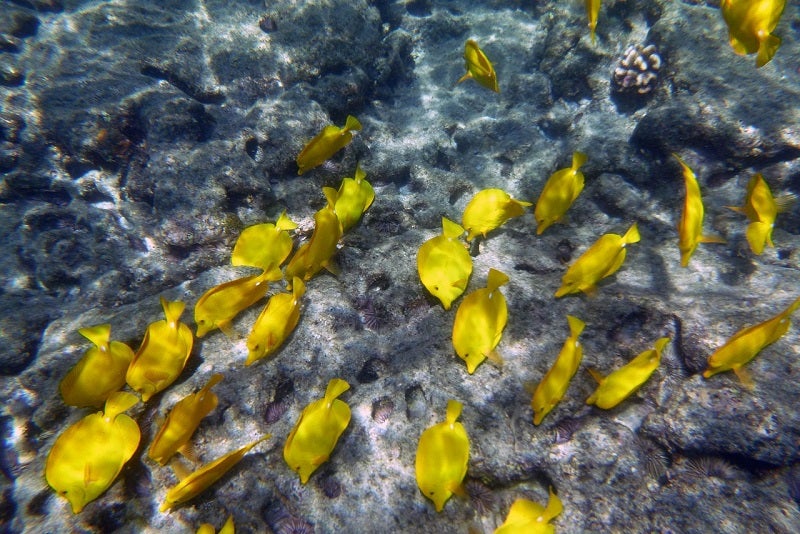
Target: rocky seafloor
column 138, row 138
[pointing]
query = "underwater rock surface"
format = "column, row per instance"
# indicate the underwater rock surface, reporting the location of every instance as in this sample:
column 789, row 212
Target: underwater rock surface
column 137, row 139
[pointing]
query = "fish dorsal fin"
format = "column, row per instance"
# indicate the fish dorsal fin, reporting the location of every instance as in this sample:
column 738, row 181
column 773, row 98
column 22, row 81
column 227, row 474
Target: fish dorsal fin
column 554, row 507
column 453, row 411
column 661, row 343
column 450, row 229
column 172, row 311
column 495, row 280
column 245, row 449
column 119, row 402
column 336, row 387
column 576, row 326
column 99, row 334
column 578, row 159
column 352, row 123
column 632, row 235
column 298, row 288
column 284, row 222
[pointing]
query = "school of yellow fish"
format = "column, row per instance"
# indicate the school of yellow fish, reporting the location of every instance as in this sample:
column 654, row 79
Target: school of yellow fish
column 88, row 456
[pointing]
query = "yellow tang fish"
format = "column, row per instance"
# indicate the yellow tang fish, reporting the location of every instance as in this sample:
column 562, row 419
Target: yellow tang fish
column 488, row 210
column 528, row 517
column 602, row 259
column 275, row 323
column 444, row 264
column 592, row 11
column 623, row 382
column 747, row 343
column 762, row 210
column 218, row 306
column 690, row 227
column 750, row 25
column 182, row 421
column 554, row 385
column 199, row 480
column 316, row 253
column 560, row 191
column 480, row 321
column 315, row 434
column 442, row 457
column 325, row 144
column 355, row 196
column 265, row 246
column 88, row 456
column 478, row 66
column 227, row 528
column 163, row 354
column 100, row 372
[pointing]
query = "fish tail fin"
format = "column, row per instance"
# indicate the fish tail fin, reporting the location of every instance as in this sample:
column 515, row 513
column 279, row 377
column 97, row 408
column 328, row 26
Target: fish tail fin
column 172, row 310
column 576, row 326
column 578, row 159
column 766, row 49
column 215, row 379
column 331, row 195
column 336, row 387
column 596, row 375
column 352, row 123
column 298, row 288
column 758, row 235
column 450, row 229
column 467, row 76
column 792, row 307
column 453, row 411
column 632, row 235
column 359, row 174
column 99, row 334
column 272, row 274
column 496, row 279
column 284, row 222
column 118, row 402
column 554, row 507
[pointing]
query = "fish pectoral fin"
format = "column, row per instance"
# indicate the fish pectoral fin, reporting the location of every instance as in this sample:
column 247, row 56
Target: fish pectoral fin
column 332, row 268
column 745, row 378
column 590, row 291
column 712, row 239
column 180, row 470
column 227, row 328
column 596, row 375
column 530, row 386
column 458, row 489
column 188, row 452
column 495, row 358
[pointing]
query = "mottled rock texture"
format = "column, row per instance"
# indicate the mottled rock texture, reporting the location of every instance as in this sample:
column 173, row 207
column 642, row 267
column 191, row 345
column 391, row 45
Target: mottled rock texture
column 137, row 139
